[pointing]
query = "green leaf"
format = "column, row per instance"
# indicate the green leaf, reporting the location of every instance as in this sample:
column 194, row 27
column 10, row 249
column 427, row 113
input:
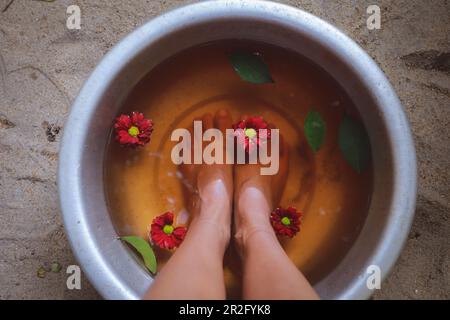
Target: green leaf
column 354, row 143
column 314, row 129
column 55, row 267
column 144, row 250
column 250, row 67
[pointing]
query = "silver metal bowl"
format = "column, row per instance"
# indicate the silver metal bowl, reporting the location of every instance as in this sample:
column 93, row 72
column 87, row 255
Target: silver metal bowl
column 108, row 263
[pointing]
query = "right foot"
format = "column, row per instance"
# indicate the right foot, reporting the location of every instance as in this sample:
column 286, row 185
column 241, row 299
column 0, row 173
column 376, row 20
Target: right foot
column 256, row 195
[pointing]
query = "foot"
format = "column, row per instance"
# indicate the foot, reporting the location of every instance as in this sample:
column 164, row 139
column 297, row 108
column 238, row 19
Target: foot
column 208, row 188
column 257, row 195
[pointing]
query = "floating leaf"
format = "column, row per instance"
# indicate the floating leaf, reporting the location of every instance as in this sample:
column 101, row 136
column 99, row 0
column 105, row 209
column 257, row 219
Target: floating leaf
column 250, row 67
column 144, row 250
column 314, row 129
column 354, row 143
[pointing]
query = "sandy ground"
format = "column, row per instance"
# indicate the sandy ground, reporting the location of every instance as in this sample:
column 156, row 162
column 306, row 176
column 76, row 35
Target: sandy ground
column 43, row 65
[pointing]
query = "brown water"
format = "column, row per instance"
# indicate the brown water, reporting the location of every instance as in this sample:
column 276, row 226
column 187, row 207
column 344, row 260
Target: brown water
column 143, row 183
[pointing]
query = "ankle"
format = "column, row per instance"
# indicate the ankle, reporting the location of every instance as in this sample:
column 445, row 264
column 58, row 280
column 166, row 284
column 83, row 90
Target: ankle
column 249, row 236
column 211, row 229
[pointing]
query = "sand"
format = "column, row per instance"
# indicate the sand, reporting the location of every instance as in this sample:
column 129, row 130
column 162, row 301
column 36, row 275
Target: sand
column 43, row 65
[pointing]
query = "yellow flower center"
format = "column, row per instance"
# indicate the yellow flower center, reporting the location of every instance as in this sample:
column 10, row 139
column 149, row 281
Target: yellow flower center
column 250, row 132
column 168, row 229
column 133, row 131
column 285, row 221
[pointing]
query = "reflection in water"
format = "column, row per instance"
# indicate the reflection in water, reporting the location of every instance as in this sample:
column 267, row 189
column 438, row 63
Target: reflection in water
column 143, row 183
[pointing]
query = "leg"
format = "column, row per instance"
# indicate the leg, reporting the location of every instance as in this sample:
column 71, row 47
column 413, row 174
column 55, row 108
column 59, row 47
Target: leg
column 195, row 271
column 268, row 273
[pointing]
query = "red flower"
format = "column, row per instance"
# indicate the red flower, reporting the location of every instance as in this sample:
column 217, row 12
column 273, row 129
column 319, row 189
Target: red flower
column 247, row 132
column 163, row 234
column 286, row 222
column 133, row 131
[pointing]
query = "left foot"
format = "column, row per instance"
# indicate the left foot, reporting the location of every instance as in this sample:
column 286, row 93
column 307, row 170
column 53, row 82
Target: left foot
column 209, row 187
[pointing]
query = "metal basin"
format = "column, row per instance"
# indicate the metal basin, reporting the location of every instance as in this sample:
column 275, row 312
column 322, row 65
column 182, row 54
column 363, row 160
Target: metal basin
column 108, row 263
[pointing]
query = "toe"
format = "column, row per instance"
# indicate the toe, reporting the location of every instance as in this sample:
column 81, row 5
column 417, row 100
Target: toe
column 195, row 134
column 222, row 120
column 191, row 128
column 284, row 149
column 244, row 117
column 208, row 121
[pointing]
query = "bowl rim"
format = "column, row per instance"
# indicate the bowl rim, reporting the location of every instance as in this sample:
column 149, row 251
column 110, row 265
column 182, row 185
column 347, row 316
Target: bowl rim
column 71, row 147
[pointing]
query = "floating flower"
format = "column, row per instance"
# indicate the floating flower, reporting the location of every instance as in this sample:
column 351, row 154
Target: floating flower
column 164, row 234
column 133, row 131
column 286, row 222
column 248, row 134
